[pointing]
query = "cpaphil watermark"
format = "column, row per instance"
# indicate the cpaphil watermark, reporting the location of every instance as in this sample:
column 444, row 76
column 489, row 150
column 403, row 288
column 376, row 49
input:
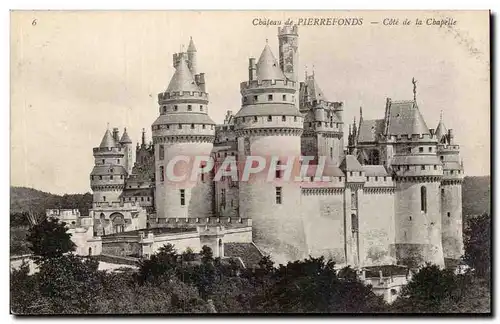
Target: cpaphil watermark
column 183, row 168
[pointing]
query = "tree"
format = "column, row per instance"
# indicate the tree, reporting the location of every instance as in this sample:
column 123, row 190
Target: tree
column 161, row 265
column 477, row 244
column 49, row 239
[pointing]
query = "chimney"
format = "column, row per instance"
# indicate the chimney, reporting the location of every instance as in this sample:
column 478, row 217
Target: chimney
column 450, row 136
column 115, row 134
column 202, row 82
column 252, row 69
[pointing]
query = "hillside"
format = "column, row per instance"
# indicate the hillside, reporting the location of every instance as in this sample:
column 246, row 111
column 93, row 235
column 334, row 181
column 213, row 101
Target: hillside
column 476, row 195
column 24, row 200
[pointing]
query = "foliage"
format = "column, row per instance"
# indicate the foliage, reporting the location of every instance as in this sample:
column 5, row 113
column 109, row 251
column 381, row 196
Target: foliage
column 49, row 239
column 18, row 243
column 477, row 240
column 476, row 193
column 433, row 290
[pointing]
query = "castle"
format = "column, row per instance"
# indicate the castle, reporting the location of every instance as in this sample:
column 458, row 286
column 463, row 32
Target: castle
column 390, row 195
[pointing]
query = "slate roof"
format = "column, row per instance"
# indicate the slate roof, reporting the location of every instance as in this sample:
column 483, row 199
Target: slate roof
column 107, row 140
column 350, row 163
column 405, row 118
column 330, row 170
column 183, row 79
column 370, row 129
column 108, row 170
column 274, row 109
column 268, row 67
column 125, row 138
column 191, row 47
column 441, row 131
column 415, row 159
column 138, row 192
column 375, row 171
column 313, row 90
column 248, row 252
column 184, row 118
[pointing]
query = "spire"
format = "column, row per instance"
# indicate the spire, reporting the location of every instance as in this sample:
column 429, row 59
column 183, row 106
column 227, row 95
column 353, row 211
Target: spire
column 107, row 140
column 125, row 138
column 143, row 136
column 360, row 114
column 182, row 80
column 191, row 47
column 267, row 66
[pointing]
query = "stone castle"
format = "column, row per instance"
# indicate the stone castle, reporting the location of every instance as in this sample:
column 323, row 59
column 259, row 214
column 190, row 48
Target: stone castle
column 390, row 195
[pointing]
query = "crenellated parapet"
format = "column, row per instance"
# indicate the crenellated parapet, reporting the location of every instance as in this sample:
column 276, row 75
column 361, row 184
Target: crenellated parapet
column 268, row 85
column 178, row 96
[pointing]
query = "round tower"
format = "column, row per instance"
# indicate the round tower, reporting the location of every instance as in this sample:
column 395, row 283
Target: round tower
column 269, row 126
column 417, row 172
column 107, row 178
column 182, row 132
column 288, row 38
column 451, row 196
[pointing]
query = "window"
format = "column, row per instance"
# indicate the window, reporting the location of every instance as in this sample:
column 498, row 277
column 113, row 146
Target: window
column 331, row 152
column 448, row 214
column 423, row 199
column 407, row 168
column 283, row 118
column 148, row 198
column 255, row 118
column 103, row 198
column 183, row 196
column 175, row 108
column 294, row 118
column 256, row 98
column 422, row 167
column 269, row 118
column 201, row 107
column 270, row 97
column 376, row 178
column 430, row 149
column 441, row 157
column 91, row 177
column 409, row 150
column 223, row 197
column 284, row 97
column 161, row 152
column 190, row 107
column 203, row 126
column 162, row 173
column 278, row 195
column 192, row 126
column 110, row 177
column 117, row 161
column 164, row 109
column 277, row 171
column 367, row 178
column 142, row 198
column 103, row 161
column 100, row 177
column 180, row 126
column 354, row 200
column 168, row 126
column 442, row 192
column 354, row 223
column 420, row 149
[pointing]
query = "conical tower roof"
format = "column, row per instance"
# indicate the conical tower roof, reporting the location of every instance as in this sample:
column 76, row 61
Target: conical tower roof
column 182, row 80
column 107, row 140
column 125, row 138
column 267, row 66
column 405, row 119
column 191, row 47
column 314, row 92
column 441, row 129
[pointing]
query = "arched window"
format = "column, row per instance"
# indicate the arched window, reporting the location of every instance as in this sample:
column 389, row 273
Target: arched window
column 90, row 251
column 423, row 199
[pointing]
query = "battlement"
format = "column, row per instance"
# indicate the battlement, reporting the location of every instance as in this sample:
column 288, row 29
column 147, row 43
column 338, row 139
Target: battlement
column 412, row 138
column 197, row 221
column 288, row 30
column 257, row 84
column 448, row 148
column 165, row 97
column 116, row 204
column 108, row 150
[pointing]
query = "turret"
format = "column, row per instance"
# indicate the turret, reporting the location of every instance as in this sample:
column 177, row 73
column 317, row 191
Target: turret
column 252, row 69
column 126, row 143
column 183, row 128
column 269, row 125
column 108, row 175
column 288, row 51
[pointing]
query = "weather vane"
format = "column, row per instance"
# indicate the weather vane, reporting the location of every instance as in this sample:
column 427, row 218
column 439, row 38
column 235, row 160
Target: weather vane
column 414, row 88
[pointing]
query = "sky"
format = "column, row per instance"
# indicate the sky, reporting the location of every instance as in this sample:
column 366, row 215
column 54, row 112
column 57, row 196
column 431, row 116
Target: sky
column 74, row 72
